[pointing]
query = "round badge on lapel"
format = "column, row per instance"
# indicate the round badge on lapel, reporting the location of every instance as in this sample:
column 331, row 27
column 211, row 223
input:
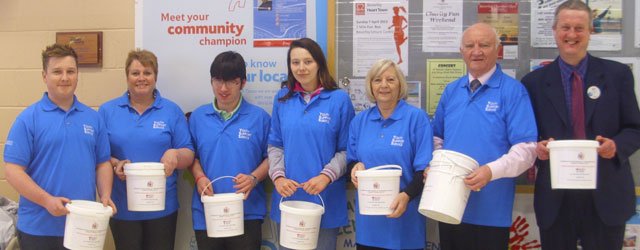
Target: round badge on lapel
column 593, row 92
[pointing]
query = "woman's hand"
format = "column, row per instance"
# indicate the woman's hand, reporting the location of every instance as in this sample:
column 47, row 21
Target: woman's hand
column 170, row 161
column 118, row 167
column 358, row 167
column 316, row 184
column 399, row 205
column 285, row 187
column 202, row 183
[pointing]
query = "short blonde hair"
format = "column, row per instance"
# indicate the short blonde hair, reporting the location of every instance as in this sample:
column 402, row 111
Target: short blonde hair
column 58, row 51
column 377, row 69
column 145, row 57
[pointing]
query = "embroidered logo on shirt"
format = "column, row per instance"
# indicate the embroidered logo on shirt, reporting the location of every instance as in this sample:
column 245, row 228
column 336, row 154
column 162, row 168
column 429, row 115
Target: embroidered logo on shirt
column 244, row 134
column 324, row 118
column 492, row 106
column 88, row 129
column 159, row 124
column 9, row 143
column 397, row 141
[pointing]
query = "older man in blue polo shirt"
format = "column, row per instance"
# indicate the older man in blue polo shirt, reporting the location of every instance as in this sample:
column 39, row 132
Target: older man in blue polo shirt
column 57, row 151
column 486, row 115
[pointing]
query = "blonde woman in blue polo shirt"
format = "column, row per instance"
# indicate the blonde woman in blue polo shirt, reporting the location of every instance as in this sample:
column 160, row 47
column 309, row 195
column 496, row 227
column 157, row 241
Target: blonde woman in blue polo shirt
column 308, row 139
column 392, row 132
column 145, row 127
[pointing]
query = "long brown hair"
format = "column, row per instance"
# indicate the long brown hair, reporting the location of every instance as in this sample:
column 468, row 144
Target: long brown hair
column 326, row 80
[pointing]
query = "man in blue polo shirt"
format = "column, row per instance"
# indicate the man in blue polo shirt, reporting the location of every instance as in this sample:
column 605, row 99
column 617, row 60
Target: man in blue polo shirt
column 230, row 136
column 57, row 151
column 486, row 115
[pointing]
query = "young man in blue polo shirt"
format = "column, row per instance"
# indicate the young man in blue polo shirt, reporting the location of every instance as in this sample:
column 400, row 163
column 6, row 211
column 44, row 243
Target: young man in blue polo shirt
column 230, row 136
column 57, row 151
column 486, row 115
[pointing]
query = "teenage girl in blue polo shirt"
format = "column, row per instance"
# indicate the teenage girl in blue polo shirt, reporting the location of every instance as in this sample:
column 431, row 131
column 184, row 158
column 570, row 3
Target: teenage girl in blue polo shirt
column 230, row 135
column 392, row 132
column 308, row 139
column 145, row 127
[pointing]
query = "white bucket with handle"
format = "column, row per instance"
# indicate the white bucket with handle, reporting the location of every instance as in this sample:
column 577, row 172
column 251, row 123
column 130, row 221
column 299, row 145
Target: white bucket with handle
column 86, row 225
column 444, row 197
column 146, row 186
column 300, row 223
column 224, row 213
column 377, row 188
column 574, row 164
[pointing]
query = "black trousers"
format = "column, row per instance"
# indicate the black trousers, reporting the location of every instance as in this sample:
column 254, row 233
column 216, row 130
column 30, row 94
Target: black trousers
column 156, row 234
column 251, row 239
column 578, row 221
column 473, row 237
column 35, row 242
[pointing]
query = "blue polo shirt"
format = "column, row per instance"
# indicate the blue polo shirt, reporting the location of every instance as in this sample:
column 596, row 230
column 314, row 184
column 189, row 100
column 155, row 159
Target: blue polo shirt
column 310, row 135
column 484, row 125
column 144, row 138
column 60, row 150
column 404, row 139
column 227, row 148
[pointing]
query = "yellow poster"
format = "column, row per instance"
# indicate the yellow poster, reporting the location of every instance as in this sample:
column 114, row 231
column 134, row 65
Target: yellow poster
column 441, row 72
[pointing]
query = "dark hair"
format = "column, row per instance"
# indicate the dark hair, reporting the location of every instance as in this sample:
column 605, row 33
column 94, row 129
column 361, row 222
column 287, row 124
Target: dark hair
column 573, row 5
column 145, row 57
column 326, row 80
column 57, row 50
column 228, row 65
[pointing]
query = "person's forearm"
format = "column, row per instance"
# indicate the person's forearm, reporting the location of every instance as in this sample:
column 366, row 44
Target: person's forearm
column 337, row 167
column 276, row 162
column 185, row 158
column 104, row 179
column 519, row 158
column 261, row 171
column 24, row 184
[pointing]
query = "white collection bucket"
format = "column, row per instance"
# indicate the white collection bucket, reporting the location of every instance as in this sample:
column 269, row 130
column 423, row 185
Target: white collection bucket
column 146, row 186
column 224, row 213
column 574, row 164
column 300, row 223
column 86, row 225
column 444, row 197
column 377, row 188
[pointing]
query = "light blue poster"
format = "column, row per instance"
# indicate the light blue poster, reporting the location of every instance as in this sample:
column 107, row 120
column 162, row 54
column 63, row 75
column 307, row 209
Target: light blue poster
column 278, row 22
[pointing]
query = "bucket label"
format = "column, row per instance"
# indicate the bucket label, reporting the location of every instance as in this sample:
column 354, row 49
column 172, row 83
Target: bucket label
column 574, row 168
column 145, row 193
column 299, row 231
column 224, row 219
column 84, row 232
column 375, row 196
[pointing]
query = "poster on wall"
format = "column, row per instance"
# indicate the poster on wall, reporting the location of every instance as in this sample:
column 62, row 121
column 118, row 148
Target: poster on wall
column 187, row 35
column 380, row 30
column 504, row 18
column 441, row 72
column 607, row 24
column 441, row 25
column 277, row 23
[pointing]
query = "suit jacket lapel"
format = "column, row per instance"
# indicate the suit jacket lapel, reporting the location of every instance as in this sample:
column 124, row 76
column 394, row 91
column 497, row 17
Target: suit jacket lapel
column 555, row 92
column 594, row 77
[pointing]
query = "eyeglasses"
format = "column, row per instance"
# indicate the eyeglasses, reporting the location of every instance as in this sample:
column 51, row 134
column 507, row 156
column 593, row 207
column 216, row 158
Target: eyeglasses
column 219, row 82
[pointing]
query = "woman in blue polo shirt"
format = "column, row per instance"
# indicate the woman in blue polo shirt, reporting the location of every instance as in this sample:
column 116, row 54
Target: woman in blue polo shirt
column 308, row 139
column 392, row 132
column 145, row 127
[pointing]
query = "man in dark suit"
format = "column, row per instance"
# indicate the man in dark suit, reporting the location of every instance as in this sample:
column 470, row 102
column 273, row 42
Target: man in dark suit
column 605, row 110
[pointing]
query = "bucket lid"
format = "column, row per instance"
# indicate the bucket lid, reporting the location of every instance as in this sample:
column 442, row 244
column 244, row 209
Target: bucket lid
column 301, row 207
column 222, row 197
column 90, row 208
column 381, row 171
column 144, row 166
column 573, row 143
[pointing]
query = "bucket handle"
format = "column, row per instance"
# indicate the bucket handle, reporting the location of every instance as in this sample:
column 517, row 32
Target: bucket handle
column 385, row 167
column 214, row 180
column 321, row 200
column 452, row 160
